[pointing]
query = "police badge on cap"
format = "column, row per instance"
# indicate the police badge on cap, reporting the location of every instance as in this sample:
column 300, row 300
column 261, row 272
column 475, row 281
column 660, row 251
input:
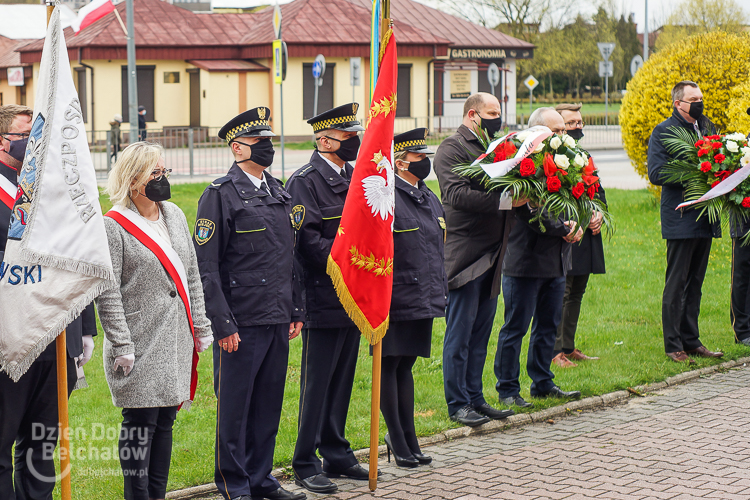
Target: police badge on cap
column 251, row 123
column 342, row 118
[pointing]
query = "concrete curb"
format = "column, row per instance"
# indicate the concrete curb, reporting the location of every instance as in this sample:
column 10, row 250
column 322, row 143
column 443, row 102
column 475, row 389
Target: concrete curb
column 519, row 420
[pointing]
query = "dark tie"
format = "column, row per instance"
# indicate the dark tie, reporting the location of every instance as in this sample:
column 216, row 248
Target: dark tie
column 344, row 174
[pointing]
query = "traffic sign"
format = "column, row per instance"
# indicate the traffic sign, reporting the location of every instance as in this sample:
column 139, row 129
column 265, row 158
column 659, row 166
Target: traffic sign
column 279, row 60
column 531, row 82
column 606, row 69
column 319, row 66
column 493, row 74
column 355, row 65
column 635, row 64
column 277, row 21
column 606, row 49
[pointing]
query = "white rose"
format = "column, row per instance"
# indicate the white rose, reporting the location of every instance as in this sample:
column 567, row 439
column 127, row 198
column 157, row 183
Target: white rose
column 562, row 161
column 555, row 142
column 745, row 160
column 735, row 137
column 539, row 148
column 732, row 146
column 521, row 136
column 569, row 141
column 579, row 160
column 745, row 150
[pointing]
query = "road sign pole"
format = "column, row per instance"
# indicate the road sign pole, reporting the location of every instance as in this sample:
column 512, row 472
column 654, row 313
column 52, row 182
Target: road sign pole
column 531, row 98
column 281, row 98
column 606, row 100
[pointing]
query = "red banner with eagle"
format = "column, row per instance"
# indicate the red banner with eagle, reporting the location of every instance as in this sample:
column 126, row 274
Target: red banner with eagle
column 361, row 260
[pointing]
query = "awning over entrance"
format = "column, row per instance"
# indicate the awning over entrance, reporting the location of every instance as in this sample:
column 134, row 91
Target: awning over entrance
column 228, row 65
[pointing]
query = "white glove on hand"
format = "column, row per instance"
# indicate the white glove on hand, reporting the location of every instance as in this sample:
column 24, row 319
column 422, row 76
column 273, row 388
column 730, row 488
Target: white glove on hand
column 203, row 343
column 88, row 349
column 126, row 361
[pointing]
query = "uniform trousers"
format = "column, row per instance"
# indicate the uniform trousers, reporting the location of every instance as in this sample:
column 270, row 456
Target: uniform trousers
column 28, row 417
column 469, row 316
column 740, row 306
column 687, row 261
column 527, row 298
column 249, row 386
column 145, row 449
column 329, row 360
column 575, row 287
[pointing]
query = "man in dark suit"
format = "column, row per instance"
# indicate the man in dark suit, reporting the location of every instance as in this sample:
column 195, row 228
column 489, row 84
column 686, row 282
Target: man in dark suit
column 534, row 270
column 688, row 236
column 588, row 259
column 330, row 340
column 477, row 224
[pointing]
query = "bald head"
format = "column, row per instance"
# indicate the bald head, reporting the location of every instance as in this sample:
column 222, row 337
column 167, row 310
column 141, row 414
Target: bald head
column 478, row 107
column 549, row 118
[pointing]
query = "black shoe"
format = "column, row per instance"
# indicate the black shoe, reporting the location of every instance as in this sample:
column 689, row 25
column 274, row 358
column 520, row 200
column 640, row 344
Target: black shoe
column 356, row 471
column 516, row 400
column 317, row 483
column 242, row 497
column 282, row 494
column 422, row 459
column 495, row 414
column 467, row 416
column 409, row 461
column 556, row 392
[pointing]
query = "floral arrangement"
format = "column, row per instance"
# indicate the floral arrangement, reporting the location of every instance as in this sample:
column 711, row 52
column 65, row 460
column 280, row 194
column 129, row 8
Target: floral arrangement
column 701, row 164
column 553, row 172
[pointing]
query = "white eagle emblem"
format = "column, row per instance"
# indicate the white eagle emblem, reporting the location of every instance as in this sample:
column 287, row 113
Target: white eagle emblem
column 379, row 190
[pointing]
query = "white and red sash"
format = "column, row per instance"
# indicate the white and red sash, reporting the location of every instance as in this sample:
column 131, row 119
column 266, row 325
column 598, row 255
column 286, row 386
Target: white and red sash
column 7, row 192
column 136, row 226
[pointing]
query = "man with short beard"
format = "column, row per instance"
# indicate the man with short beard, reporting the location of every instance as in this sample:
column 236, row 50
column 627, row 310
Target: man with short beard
column 15, row 126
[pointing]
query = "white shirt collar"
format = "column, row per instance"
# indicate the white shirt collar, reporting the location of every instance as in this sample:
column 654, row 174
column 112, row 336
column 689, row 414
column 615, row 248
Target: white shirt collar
column 333, row 165
column 257, row 182
column 409, row 183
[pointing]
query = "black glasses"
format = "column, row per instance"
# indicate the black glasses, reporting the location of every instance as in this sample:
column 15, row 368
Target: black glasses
column 17, row 135
column 574, row 124
column 157, row 174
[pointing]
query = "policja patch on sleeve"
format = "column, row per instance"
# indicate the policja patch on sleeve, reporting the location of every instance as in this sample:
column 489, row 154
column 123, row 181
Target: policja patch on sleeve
column 298, row 216
column 204, row 229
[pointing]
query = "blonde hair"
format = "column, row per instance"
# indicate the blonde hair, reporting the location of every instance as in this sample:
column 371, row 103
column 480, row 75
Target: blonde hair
column 134, row 163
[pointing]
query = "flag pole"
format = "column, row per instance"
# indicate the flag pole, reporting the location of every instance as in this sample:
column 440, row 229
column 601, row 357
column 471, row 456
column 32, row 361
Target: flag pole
column 62, row 384
column 377, row 349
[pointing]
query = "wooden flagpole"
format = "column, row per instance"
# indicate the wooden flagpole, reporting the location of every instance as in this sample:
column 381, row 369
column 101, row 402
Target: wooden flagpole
column 377, row 349
column 61, row 350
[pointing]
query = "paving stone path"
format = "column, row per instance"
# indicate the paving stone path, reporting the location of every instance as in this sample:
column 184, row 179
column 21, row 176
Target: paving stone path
column 685, row 442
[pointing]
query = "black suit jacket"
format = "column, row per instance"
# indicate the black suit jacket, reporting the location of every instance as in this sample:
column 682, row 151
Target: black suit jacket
column 532, row 253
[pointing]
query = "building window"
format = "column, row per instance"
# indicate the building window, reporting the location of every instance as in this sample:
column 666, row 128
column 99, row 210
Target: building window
column 81, row 88
column 325, row 91
column 145, row 76
column 404, row 91
column 171, row 77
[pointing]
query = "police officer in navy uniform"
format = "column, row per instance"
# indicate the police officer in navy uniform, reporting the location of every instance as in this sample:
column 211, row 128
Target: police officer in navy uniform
column 244, row 242
column 330, row 340
column 32, row 401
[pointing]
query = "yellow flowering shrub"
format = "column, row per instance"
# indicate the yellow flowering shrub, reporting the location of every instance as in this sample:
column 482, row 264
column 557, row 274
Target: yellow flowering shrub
column 718, row 62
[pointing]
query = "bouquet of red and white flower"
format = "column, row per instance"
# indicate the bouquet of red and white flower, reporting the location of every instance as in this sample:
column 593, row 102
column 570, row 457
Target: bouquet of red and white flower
column 553, row 172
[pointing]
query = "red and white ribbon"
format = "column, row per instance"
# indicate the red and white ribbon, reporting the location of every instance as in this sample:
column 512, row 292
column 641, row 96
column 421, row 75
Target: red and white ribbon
column 7, row 192
column 536, row 136
column 135, row 225
column 722, row 188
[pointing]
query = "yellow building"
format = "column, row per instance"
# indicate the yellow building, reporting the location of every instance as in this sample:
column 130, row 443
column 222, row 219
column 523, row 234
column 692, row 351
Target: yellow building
column 200, row 70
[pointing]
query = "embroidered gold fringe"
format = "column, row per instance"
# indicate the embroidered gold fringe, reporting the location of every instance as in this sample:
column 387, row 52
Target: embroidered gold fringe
column 384, row 44
column 373, row 335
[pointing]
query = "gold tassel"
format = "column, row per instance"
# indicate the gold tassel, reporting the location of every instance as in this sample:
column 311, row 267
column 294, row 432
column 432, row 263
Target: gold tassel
column 373, row 335
column 384, row 44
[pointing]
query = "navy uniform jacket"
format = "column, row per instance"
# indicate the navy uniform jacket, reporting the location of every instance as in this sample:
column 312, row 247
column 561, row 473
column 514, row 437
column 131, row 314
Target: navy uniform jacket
column 318, row 195
column 532, row 253
column 9, row 173
column 683, row 223
column 244, row 242
column 420, row 285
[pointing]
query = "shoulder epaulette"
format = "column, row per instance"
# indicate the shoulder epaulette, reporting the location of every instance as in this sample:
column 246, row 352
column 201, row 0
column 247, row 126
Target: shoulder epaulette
column 304, row 170
column 218, row 182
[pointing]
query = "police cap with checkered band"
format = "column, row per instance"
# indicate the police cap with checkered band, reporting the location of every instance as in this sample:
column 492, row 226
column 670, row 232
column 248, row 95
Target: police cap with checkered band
column 341, row 118
column 251, row 123
column 413, row 141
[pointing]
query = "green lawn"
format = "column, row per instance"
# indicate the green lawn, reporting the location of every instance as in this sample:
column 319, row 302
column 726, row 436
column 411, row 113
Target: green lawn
column 621, row 323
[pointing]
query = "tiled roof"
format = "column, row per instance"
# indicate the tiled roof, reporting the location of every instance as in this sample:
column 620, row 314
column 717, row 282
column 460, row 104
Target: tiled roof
column 461, row 33
column 228, row 65
column 8, row 55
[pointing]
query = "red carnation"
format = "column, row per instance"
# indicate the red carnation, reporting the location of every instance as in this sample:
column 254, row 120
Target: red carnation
column 590, row 168
column 553, row 184
column 699, row 144
column 549, row 165
column 722, row 174
column 527, row 167
column 719, row 158
column 705, row 166
column 578, row 190
column 592, row 190
column 714, row 137
column 715, row 183
column 505, row 150
column 746, row 203
column 702, row 152
column 716, row 145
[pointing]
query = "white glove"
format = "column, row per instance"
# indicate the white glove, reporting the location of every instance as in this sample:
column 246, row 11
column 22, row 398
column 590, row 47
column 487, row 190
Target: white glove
column 202, row 343
column 126, row 361
column 88, row 349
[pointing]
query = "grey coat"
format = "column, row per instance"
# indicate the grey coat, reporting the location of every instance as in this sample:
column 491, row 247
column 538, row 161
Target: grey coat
column 143, row 314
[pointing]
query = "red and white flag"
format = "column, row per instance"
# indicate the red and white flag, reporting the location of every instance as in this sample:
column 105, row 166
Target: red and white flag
column 92, row 13
column 361, row 260
column 7, row 192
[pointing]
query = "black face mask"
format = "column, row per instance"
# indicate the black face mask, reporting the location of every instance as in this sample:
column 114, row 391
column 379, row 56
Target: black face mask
column 158, row 189
column 576, row 133
column 491, row 125
column 420, row 169
column 696, row 109
column 17, row 149
column 348, row 148
column 261, row 152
